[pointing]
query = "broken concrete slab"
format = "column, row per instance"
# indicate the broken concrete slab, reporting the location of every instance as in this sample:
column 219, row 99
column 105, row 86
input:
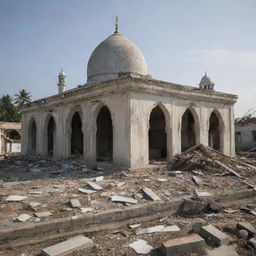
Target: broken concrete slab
column 86, row 191
column 197, row 180
column 133, row 226
column 252, row 242
column 150, row 194
column 247, row 226
column 85, row 210
column 213, row 235
column 94, row 185
column 34, row 204
column 99, row 178
column 159, row 228
column 223, row 250
column 42, row 214
column 23, row 217
column 183, row 246
column 68, row 246
column 162, row 179
column 203, row 193
column 141, row 247
column 75, row 203
column 14, row 198
column 121, row 199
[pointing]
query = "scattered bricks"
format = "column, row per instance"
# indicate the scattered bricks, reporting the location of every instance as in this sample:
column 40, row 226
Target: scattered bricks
column 247, row 226
column 183, row 246
column 213, row 235
column 68, row 246
column 150, row 194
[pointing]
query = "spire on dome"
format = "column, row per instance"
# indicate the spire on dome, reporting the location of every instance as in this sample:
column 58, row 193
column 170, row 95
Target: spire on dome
column 116, row 31
column 206, row 83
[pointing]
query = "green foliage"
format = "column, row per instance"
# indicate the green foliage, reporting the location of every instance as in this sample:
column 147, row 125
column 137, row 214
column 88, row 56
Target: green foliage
column 22, row 98
column 8, row 111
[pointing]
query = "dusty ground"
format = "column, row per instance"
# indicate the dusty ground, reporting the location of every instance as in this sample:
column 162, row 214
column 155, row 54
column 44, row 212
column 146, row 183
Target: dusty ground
column 59, row 181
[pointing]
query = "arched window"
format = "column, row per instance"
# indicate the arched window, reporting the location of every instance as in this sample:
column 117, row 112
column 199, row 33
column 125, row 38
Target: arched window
column 76, row 135
column 188, row 137
column 157, row 135
column 51, row 130
column 32, row 138
column 214, row 132
column 104, row 136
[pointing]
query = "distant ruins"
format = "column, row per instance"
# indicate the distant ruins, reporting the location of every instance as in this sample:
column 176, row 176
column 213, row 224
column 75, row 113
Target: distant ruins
column 124, row 115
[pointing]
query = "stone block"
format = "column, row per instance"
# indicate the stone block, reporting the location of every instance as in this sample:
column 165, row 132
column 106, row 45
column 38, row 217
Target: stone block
column 183, row 246
column 247, row 226
column 68, row 246
column 151, row 195
column 213, row 235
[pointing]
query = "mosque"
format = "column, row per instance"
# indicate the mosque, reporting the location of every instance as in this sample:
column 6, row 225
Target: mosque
column 124, row 116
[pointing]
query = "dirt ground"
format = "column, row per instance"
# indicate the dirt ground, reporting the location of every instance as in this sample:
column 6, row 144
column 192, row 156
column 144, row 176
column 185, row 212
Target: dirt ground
column 52, row 183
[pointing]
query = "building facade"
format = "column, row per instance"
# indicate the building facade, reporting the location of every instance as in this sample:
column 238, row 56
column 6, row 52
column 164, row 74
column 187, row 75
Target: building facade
column 125, row 116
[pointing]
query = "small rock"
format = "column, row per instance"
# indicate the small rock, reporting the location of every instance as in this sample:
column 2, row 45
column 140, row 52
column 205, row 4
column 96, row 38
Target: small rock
column 215, row 207
column 243, row 234
column 138, row 196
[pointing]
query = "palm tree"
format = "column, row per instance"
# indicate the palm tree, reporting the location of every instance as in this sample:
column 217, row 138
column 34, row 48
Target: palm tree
column 22, row 98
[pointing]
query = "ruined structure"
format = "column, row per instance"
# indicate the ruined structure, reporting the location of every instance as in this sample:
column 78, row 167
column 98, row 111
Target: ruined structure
column 10, row 138
column 124, row 115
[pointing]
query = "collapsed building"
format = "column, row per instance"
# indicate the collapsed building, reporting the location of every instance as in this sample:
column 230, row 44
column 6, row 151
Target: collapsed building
column 10, row 138
column 125, row 116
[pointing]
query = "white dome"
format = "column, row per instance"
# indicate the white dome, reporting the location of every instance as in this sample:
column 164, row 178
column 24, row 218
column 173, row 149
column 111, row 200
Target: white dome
column 114, row 55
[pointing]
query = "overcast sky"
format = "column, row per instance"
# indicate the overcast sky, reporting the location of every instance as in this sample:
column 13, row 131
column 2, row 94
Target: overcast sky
column 180, row 39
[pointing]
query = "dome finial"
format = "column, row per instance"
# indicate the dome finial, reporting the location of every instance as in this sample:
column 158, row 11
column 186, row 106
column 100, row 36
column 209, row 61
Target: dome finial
column 116, row 31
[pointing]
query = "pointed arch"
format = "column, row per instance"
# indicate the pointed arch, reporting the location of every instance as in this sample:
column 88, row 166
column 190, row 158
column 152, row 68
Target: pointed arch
column 32, row 137
column 104, row 135
column 157, row 136
column 77, row 141
column 51, row 134
column 189, row 129
column 215, row 130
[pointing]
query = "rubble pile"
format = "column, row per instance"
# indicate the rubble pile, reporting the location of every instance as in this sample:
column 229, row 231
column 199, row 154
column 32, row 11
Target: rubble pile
column 204, row 159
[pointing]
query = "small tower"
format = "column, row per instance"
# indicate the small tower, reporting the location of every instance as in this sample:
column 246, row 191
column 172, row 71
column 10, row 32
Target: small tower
column 206, row 83
column 62, row 82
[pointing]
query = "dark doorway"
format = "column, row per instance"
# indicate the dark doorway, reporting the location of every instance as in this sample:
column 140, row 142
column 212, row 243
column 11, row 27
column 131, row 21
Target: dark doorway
column 32, row 138
column 76, row 135
column 214, row 132
column 104, row 136
column 51, row 136
column 157, row 135
column 13, row 134
column 188, row 139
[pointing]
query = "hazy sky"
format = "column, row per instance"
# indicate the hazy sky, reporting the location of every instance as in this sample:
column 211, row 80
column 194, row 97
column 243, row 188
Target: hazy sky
column 180, row 39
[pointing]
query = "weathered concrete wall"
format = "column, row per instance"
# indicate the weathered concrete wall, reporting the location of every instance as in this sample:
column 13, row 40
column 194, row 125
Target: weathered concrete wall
column 246, row 139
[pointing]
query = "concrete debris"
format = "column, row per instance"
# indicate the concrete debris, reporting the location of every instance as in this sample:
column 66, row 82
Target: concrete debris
column 23, row 217
column 248, row 210
column 99, row 178
column 121, row 199
column 197, row 180
column 75, row 203
column 138, row 196
column 94, row 185
column 230, row 211
column 86, row 191
column 183, row 246
column 141, row 247
column 120, row 184
column 35, row 192
column 42, row 214
column 203, row 193
column 252, row 242
column 162, row 179
column 134, row 226
column 150, row 194
column 37, row 220
column 159, row 228
column 14, row 198
column 243, row 234
column 34, row 204
column 247, row 226
column 223, row 250
column 61, row 187
column 192, row 207
column 85, row 210
column 68, row 246
column 214, row 235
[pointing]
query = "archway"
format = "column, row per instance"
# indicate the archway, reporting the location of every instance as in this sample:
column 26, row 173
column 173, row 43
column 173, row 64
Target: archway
column 13, row 134
column 104, row 136
column 188, row 137
column 51, row 127
column 77, row 144
column 214, row 132
column 32, row 138
column 157, row 135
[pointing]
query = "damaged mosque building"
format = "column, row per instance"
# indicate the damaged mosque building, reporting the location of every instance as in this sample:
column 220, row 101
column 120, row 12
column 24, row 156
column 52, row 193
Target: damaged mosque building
column 125, row 116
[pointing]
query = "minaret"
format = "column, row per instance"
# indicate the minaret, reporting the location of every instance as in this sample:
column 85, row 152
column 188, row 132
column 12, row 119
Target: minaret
column 62, row 82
